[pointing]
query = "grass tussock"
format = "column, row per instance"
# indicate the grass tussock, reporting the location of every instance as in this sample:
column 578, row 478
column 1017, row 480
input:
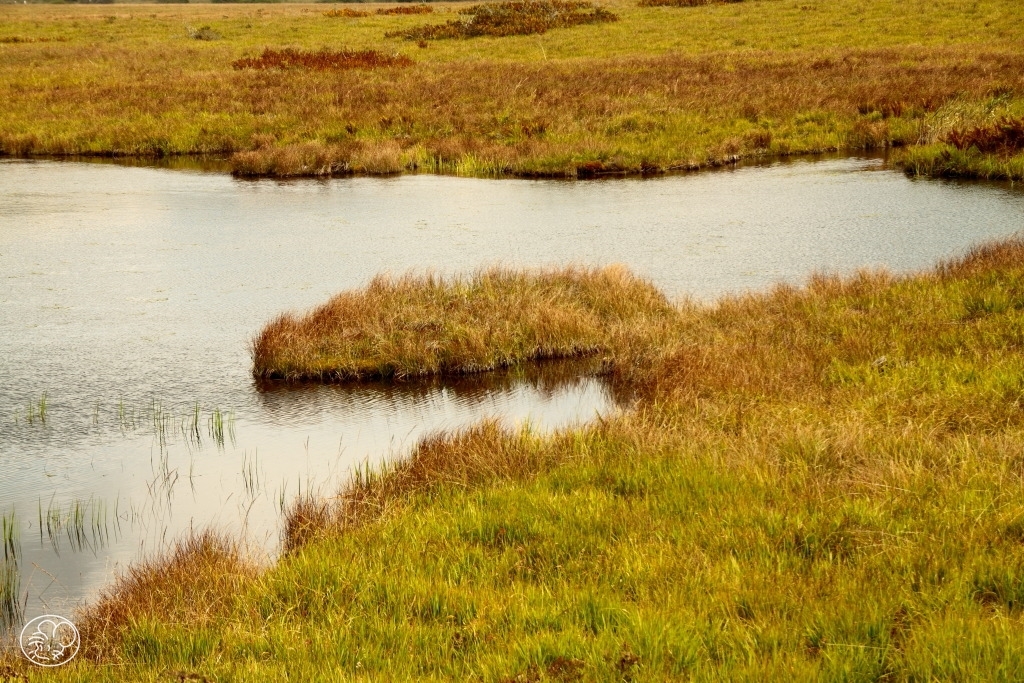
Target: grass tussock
column 322, row 60
column 818, row 483
column 511, row 18
column 428, row 325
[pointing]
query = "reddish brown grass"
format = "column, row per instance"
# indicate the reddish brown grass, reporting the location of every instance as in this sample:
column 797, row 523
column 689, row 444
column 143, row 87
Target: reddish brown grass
column 512, row 18
column 322, row 60
column 1004, row 137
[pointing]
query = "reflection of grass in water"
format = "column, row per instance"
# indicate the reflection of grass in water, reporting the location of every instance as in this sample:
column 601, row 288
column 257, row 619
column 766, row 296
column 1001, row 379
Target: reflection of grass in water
column 11, row 607
column 85, row 524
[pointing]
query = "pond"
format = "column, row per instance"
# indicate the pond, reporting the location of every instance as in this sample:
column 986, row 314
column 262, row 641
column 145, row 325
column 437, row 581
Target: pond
column 129, row 297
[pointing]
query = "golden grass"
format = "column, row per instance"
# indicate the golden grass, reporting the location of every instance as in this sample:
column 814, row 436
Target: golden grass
column 661, row 89
column 429, row 325
column 819, row 483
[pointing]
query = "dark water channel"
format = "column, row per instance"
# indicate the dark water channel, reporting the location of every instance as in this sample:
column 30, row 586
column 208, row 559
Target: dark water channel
column 128, row 297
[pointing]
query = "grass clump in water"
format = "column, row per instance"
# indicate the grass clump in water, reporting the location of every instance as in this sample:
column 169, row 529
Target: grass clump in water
column 513, row 18
column 322, row 60
column 429, row 325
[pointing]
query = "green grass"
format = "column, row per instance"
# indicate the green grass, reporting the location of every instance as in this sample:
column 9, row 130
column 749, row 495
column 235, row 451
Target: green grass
column 822, row 483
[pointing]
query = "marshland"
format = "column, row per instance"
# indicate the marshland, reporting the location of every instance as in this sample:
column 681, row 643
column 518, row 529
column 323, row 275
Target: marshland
column 384, row 342
column 117, row 458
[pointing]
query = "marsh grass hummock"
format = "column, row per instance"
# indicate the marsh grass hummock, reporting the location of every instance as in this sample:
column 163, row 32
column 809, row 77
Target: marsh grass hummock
column 430, row 325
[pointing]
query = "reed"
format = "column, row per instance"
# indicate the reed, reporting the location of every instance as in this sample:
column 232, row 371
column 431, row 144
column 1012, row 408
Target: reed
column 11, row 601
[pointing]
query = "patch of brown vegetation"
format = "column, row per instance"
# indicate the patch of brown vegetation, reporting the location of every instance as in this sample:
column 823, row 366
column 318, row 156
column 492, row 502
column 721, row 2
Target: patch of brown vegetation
column 321, row 60
column 511, row 18
column 193, row 584
column 1004, row 137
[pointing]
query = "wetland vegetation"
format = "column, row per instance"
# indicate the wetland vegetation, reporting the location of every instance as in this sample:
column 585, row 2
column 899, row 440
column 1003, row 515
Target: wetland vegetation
column 817, row 482
column 812, row 482
column 662, row 88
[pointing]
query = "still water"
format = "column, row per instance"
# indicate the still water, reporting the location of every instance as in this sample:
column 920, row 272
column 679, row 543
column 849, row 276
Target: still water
column 129, row 296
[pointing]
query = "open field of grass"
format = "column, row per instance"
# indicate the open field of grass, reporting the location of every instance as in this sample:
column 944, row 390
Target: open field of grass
column 660, row 88
column 817, row 483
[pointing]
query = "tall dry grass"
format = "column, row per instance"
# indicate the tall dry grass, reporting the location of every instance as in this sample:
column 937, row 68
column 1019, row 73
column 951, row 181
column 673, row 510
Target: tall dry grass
column 429, row 325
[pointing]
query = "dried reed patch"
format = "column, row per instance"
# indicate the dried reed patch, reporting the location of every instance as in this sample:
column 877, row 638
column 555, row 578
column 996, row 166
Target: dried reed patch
column 428, row 325
column 1004, row 137
column 514, row 18
column 322, row 60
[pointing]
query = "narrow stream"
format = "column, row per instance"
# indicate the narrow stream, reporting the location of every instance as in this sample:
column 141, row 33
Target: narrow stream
column 129, row 295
